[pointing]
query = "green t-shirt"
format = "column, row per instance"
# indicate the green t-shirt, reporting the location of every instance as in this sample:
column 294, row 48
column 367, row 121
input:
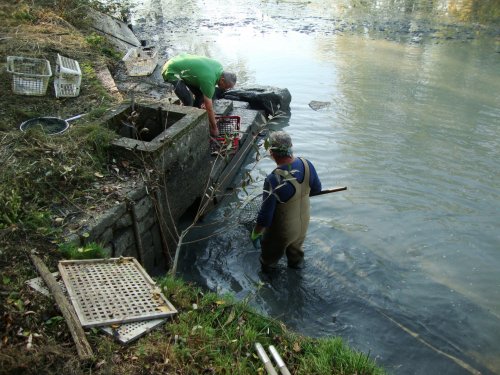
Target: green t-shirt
column 198, row 71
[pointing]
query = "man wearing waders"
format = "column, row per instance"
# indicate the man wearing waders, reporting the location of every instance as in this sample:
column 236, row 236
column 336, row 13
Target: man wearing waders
column 284, row 214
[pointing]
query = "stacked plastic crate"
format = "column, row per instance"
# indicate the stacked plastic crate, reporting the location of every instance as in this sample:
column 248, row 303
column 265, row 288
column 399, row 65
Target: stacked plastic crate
column 228, row 140
column 68, row 77
column 30, row 76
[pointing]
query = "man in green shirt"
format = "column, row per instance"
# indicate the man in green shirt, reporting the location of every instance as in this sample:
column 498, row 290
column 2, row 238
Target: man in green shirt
column 198, row 76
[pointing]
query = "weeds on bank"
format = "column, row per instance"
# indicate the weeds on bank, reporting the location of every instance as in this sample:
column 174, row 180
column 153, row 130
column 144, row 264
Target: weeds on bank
column 30, row 30
column 91, row 250
column 43, row 173
column 213, row 334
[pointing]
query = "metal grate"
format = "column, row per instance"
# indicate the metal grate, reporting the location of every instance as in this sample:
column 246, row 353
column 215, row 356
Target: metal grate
column 131, row 331
column 109, row 291
column 124, row 333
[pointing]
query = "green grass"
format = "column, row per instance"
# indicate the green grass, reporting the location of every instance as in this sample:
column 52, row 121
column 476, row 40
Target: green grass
column 89, row 251
column 218, row 336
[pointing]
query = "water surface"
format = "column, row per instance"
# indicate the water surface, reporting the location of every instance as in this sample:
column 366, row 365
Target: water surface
column 404, row 265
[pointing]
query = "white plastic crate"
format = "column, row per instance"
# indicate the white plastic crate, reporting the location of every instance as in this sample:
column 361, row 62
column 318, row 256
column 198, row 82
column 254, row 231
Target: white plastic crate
column 30, row 76
column 141, row 61
column 68, row 77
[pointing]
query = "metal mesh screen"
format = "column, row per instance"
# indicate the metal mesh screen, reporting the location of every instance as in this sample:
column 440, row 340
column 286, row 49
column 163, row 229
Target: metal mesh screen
column 109, row 291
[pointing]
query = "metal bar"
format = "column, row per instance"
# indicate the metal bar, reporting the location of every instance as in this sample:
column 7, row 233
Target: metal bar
column 265, row 359
column 279, row 361
column 327, row 191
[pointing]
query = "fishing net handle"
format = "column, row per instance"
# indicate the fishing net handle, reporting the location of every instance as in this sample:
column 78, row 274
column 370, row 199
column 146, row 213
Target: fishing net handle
column 250, row 209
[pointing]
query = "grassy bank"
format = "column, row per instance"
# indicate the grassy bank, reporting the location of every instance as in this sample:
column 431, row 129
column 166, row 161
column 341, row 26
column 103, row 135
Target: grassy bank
column 212, row 334
column 47, row 182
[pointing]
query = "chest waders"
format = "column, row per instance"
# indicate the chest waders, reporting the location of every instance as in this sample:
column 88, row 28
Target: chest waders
column 290, row 221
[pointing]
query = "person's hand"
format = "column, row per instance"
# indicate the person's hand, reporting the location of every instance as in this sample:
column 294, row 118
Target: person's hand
column 256, row 239
column 214, row 132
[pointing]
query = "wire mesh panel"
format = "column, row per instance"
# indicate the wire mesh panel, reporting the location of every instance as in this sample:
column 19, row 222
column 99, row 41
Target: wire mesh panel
column 132, row 331
column 116, row 290
column 123, row 333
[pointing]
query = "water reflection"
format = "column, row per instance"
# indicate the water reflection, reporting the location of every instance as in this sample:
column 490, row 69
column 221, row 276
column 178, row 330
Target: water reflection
column 466, row 10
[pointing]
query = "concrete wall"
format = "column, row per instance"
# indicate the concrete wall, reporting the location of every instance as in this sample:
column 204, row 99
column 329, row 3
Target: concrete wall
column 178, row 164
column 176, row 169
column 131, row 228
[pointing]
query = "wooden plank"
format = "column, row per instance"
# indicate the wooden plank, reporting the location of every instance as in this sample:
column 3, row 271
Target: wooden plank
column 116, row 30
column 82, row 346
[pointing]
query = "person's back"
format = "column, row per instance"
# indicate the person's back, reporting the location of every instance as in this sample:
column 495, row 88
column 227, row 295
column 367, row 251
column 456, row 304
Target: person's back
column 283, row 219
column 194, row 79
column 198, row 71
column 277, row 189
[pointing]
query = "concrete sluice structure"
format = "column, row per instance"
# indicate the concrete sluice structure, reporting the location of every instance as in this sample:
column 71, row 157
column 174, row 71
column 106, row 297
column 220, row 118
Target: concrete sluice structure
column 171, row 145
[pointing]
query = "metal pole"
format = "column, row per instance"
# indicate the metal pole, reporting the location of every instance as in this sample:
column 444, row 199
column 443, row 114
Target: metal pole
column 265, row 359
column 279, row 361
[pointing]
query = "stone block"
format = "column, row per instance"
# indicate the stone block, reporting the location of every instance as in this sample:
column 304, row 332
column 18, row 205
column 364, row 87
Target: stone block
column 122, row 241
column 124, row 221
column 270, row 99
column 144, row 208
column 115, row 30
column 108, row 218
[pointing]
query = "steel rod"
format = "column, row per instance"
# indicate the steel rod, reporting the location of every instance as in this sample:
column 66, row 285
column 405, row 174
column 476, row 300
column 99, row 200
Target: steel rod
column 279, row 361
column 265, row 359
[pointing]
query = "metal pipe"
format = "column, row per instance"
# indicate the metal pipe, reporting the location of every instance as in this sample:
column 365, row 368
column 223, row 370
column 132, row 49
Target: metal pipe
column 328, row 191
column 279, row 361
column 265, row 359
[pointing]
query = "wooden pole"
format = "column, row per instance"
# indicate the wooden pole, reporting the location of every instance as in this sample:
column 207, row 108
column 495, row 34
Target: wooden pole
column 328, row 191
column 82, row 346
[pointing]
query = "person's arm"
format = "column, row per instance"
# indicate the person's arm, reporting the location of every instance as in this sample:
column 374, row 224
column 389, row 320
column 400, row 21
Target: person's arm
column 265, row 215
column 214, row 131
column 314, row 181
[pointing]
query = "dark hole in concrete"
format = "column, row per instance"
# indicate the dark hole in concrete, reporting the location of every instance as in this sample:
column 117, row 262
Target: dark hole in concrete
column 189, row 215
column 144, row 122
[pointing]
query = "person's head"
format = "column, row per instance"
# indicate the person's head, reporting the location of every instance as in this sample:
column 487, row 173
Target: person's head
column 227, row 81
column 280, row 144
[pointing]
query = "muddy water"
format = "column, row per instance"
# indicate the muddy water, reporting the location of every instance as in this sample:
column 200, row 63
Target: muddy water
column 405, row 264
